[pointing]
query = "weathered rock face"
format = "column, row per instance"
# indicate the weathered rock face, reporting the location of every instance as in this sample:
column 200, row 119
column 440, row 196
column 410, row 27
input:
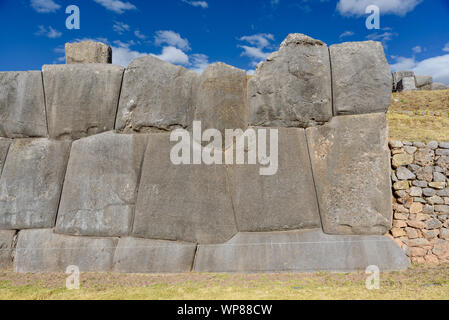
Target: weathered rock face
column 284, row 201
column 361, row 78
column 88, row 52
column 81, row 99
column 187, row 202
column 6, row 248
column 150, row 256
column 293, row 87
column 304, row 251
column 350, row 161
column 101, row 185
column 398, row 75
column 31, row 182
column 4, row 146
column 423, row 82
column 156, row 94
column 22, row 108
column 439, row 86
column 406, row 84
column 41, row 250
column 220, row 98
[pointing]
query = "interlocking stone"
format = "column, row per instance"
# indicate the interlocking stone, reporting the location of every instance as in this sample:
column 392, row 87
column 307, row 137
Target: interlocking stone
column 31, row 183
column 293, row 87
column 189, row 203
column 156, row 94
column 6, row 248
column 4, row 147
column 150, row 256
column 81, row 99
column 101, row 185
column 88, row 52
column 404, row 174
column 361, row 78
column 284, row 201
column 351, row 153
column 41, row 250
column 22, row 105
column 300, row 251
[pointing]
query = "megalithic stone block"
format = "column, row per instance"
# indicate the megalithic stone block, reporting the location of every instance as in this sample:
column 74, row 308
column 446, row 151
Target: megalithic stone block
column 41, row 250
column 6, row 248
column 300, row 251
column 398, row 75
column 189, row 203
column 4, row 146
column 22, row 105
column 153, row 256
column 31, row 183
column 293, row 87
column 220, row 100
column 88, row 52
column 351, row 166
column 283, row 201
column 82, row 99
column 406, row 84
column 361, row 78
column 156, row 94
column 100, row 187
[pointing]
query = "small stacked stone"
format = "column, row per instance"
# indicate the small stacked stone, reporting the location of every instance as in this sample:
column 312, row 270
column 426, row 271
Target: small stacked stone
column 420, row 178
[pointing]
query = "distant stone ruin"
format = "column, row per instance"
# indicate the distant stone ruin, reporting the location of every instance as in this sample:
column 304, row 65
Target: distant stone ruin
column 408, row 81
column 87, row 180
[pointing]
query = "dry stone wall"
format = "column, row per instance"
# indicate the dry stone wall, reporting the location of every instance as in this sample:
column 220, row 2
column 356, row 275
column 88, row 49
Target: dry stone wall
column 87, row 178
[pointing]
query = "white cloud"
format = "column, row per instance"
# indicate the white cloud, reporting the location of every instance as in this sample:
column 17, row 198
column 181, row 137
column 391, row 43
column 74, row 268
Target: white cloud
column 346, row 34
column 257, row 52
column 120, row 27
column 173, row 55
column 446, row 47
column 140, row 35
column 116, row 5
column 48, row 32
column 260, row 40
column 358, row 7
column 45, row 6
column 417, row 49
column 172, row 39
column 202, row 4
column 383, row 37
column 437, row 67
column 254, row 53
column 124, row 55
column 199, row 62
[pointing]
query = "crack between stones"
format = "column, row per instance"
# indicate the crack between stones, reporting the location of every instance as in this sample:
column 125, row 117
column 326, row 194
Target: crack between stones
column 45, row 104
column 62, row 185
column 334, row 113
column 118, row 100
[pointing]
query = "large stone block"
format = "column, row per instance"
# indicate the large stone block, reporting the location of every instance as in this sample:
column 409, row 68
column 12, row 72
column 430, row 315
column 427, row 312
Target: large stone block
column 220, row 99
column 153, row 256
column 100, row 187
column 81, row 99
column 31, row 183
column 182, row 202
column 423, row 81
column 41, row 250
column 351, row 166
column 88, row 52
column 22, row 105
column 156, row 94
column 293, row 87
column 6, row 248
column 398, row 75
column 300, row 251
column 283, row 201
column 406, row 84
column 361, row 78
column 4, row 147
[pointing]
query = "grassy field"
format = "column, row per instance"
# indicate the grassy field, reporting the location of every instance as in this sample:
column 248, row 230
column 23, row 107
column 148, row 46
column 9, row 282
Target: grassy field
column 426, row 118
column 417, row 283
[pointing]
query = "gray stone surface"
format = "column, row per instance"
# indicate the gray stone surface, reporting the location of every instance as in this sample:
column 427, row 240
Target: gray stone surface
column 22, row 106
column 423, row 81
column 351, row 166
column 4, row 146
column 6, row 248
column 81, row 99
column 182, row 202
column 293, row 87
column 88, row 52
column 220, row 98
column 283, row 201
column 100, row 187
column 406, row 84
column 156, row 94
column 153, row 256
column 31, row 183
column 439, row 86
column 361, row 78
column 398, row 75
column 41, row 250
column 300, row 251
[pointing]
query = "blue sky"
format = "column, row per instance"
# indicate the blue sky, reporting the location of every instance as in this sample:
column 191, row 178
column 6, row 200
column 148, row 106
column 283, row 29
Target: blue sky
column 192, row 33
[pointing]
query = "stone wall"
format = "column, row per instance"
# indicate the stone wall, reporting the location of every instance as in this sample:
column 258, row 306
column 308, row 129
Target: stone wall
column 421, row 200
column 87, row 178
